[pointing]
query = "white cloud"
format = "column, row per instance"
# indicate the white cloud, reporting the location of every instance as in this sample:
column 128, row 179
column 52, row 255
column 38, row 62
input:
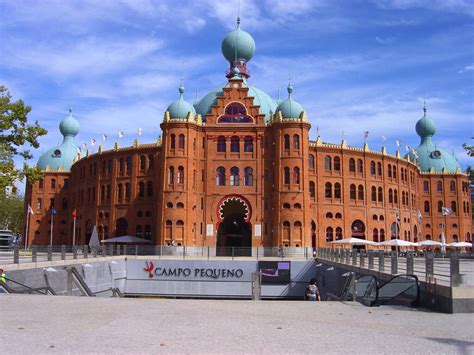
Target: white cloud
column 456, row 6
column 466, row 68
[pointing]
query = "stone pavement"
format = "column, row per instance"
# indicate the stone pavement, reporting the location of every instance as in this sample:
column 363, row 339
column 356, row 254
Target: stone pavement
column 55, row 324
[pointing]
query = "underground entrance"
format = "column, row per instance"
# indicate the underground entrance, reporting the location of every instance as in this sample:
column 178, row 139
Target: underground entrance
column 234, row 234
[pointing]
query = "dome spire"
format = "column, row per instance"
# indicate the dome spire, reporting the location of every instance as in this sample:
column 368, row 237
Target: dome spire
column 424, row 108
column 181, row 91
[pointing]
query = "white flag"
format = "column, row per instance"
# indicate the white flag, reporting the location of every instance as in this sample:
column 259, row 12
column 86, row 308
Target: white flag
column 140, row 131
column 407, row 147
column 445, row 211
column 104, row 136
column 84, row 145
column 397, row 215
column 384, row 139
column 420, row 216
column 121, row 134
column 30, row 210
column 398, row 143
column 93, row 142
column 79, row 150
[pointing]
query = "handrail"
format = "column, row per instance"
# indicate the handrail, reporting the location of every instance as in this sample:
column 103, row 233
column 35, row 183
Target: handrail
column 31, row 289
column 417, row 285
column 79, row 281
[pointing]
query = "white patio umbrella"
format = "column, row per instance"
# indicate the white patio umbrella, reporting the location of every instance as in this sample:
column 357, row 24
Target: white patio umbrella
column 398, row 243
column 353, row 241
column 460, row 245
column 94, row 241
column 429, row 243
column 443, row 243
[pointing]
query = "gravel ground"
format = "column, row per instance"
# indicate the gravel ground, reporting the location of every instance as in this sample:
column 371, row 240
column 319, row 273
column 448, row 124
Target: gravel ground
column 54, row 324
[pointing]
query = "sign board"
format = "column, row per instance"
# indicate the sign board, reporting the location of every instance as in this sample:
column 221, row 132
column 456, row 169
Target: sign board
column 258, row 230
column 210, row 230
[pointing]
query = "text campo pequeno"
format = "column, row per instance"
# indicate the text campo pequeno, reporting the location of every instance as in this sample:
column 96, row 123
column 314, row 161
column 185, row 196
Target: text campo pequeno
column 204, row 273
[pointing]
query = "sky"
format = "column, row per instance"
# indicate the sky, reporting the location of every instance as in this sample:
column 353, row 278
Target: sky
column 354, row 65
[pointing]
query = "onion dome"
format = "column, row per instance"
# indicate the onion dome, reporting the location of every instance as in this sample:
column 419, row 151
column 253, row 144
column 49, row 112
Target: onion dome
column 289, row 108
column 62, row 156
column 238, row 45
column 180, row 108
column 428, row 156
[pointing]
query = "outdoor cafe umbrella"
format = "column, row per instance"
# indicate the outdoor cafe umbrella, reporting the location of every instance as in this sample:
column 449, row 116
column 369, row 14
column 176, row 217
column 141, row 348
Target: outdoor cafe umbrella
column 126, row 239
column 429, row 243
column 398, row 243
column 460, row 245
column 94, row 241
column 353, row 241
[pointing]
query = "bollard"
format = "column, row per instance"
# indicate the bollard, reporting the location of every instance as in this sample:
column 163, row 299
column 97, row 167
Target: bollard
column 74, row 251
column 85, row 251
column 454, row 269
column 157, row 249
column 409, row 263
column 362, row 259
column 16, row 255
column 348, row 256
column 208, row 253
column 354, row 256
column 125, row 250
column 429, row 266
column 63, row 252
column 34, row 253
column 136, row 251
column 394, row 262
column 94, row 252
column 381, row 261
column 371, row 259
column 50, row 252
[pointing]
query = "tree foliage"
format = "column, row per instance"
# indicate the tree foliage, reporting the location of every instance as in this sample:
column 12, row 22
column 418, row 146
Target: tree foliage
column 16, row 137
column 11, row 212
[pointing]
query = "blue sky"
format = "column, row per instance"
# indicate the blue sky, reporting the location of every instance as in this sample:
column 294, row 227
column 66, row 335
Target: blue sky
column 355, row 65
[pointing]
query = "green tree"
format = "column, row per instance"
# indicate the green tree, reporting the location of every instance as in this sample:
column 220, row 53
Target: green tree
column 16, row 137
column 11, row 212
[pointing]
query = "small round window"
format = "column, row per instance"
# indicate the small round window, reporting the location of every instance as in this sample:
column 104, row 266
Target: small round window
column 57, row 153
column 436, row 154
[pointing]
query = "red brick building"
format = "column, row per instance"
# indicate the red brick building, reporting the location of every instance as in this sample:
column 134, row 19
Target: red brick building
column 237, row 168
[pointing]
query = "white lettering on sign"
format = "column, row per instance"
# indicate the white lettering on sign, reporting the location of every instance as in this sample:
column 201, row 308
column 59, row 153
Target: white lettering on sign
column 258, row 230
column 210, row 230
column 196, row 272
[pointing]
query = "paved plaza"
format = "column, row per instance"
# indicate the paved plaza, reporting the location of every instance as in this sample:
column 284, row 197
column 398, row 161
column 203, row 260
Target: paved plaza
column 48, row 324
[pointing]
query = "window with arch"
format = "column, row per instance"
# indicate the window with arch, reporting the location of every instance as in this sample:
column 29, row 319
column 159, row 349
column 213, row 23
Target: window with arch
column 286, row 175
column 138, row 231
column 140, row 214
column 375, row 217
column 373, row 194
column 296, row 141
column 439, row 186
column 454, row 225
column 360, row 192
column 390, row 196
column 337, row 164
column 248, row 144
column 141, row 189
column 352, row 192
column 120, row 191
column 382, row 235
column 338, row 215
column 394, row 172
column 360, row 166
column 328, row 190
column 149, row 189
column 426, row 186
column 312, row 189
column 39, row 203
column 172, row 141
column 169, row 205
column 127, row 191
column 389, row 170
column 452, row 186
column 248, row 178
column 148, row 232
column 297, row 206
column 296, row 175
column 440, row 206
column 329, row 215
column 286, row 139
column 338, row 233
column 327, row 163
column 329, row 234
column 180, row 205
column 53, row 183
column 181, row 141
column 454, row 206
column 286, row 206
column 395, row 196
column 234, row 144
column 151, row 161
column 427, row 206
column 220, row 176
column 311, row 161
column 142, row 163
column 221, row 145
column 352, row 167
column 379, row 169
column 234, row 176
column 40, row 184
column 235, row 112
column 180, row 175
column 171, row 175
column 380, row 194
column 372, row 168
column 337, row 190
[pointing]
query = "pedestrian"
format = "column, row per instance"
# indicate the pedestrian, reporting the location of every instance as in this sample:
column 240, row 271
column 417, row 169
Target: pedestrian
column 280, row 251
column 312, row 291
column 3, row 276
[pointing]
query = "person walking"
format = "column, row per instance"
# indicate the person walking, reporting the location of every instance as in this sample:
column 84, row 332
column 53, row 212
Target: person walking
column 312, row 291
column 3, row 277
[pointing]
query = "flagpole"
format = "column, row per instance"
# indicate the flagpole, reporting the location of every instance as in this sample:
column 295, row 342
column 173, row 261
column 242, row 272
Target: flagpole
column 52, row 223
column 74, row 231
column 27, row 226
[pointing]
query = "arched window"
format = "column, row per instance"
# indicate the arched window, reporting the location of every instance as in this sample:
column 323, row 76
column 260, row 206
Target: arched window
column 286, row 231
column 248, row 179
column 329, row 234
column 358, row 229
column 180, row 205
column 380, row 193
column 169, row 205
column 149, row 188
column 375, row 217
column 426, row 186
column 439, row 186
column 248, row 144
column 287, row 141
column 337, row 190
column 127, row 191
column 286, row 175
column 454, row 206
column 352, row 192
column 352, row 167
column 180, row 175
column 360, row 166
column 286, row 206
column 221, row 144
column 296, row 175
column 338, row 215
column 395, row 196
column 39, row 204
column 181, row 141
column 235, row 112
column 376, row 235
column 220, row 176
column 379, row 169
column 374, row 194
column 360, row 194
column 390, row 196
column 389, row 170
column 148, row 232
column 327, row 163
column 53, row 183
column 427, row 206
column 382, row 235
column 138, row 231
column 452, row 186
column 372, row 168
column 329, row 215
column 311, row 161
column 338, row 233
column 394, row 172
column 40, row 184
column 296, row 141
column 234, row 176
column 337, row 164
column 312, row 189
column 142, row 163
column 235, row 144
column 297, row 206
column 440, row 206
column 328, row 190
column 172, row 141
column 151, row 162
column 120, row 191
column 141, row 189
column 171, row 175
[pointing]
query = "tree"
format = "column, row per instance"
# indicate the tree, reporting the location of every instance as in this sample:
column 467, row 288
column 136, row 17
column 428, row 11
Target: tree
column 16, row 136
column 11, row 213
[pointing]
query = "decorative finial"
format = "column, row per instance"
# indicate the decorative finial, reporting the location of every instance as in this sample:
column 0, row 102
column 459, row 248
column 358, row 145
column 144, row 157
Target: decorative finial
column 424, row 107
column 238, row 21
column 70, row 110
column 290, row 90
column 181, row 90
